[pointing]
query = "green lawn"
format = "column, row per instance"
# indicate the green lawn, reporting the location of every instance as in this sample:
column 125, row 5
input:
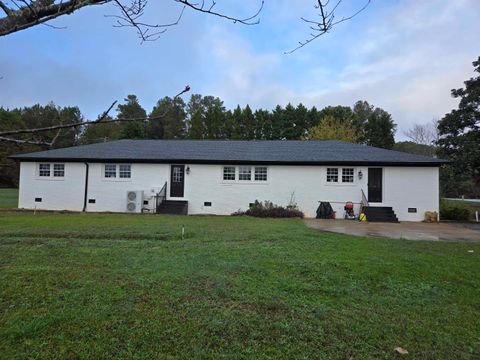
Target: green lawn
column 8, row 198
column 127, row 286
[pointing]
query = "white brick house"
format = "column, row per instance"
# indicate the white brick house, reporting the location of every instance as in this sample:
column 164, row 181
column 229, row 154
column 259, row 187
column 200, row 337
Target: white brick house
column 220, row 177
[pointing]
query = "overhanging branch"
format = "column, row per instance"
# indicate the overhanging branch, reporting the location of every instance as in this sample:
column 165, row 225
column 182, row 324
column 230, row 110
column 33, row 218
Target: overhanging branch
column 59, row 127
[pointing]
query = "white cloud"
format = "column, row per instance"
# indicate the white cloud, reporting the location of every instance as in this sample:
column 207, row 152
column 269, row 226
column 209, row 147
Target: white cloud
column 240, row 75
column 402, row 56
column 405, row 61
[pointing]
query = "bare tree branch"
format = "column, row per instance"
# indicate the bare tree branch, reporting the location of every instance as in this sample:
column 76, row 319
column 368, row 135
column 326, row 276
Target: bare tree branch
column 251, row 20
column 38, row 12
column 30, row 13
column 326, row 23
column 5, row 8
column 424, row 134
column 23, row 14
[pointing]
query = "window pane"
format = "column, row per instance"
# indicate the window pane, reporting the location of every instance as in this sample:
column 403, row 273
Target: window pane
column 229, row 173
column 260, row 173
column 347, row 175
column 245, row 173
column 125, row 171
column 177, row 175
column 110, row 170
column 332, row 175
column 44, row 169
column 59, row 170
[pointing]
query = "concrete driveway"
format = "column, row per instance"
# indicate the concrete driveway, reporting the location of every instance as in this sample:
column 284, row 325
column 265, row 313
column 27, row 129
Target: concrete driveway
column 403, row 230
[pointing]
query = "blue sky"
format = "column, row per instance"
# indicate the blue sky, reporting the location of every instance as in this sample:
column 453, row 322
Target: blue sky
column 401, row 55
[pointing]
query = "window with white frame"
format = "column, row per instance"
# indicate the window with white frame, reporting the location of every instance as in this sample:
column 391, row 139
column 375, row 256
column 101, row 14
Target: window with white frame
column 110, row 171
column 44, row 170
column 58, row 170
column 347, row 175
column 332, row 175
column 229, row 173
column 244, row 173
column 260, row 173
column 125, row 171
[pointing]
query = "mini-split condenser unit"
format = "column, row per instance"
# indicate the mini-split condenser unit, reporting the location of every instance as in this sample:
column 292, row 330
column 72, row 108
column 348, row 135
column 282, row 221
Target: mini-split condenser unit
column 134, row 201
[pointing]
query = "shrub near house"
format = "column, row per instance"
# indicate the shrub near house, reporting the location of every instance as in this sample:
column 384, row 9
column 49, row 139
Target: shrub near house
column 269, row 209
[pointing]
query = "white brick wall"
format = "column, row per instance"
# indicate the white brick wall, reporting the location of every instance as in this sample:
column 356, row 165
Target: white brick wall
column 403, row 188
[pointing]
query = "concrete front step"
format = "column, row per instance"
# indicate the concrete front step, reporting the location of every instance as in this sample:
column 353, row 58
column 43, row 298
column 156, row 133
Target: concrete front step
column 380, row 214
column 173, row 207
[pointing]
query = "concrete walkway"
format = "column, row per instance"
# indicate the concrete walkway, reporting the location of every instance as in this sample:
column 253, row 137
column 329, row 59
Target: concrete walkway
column 403, row 230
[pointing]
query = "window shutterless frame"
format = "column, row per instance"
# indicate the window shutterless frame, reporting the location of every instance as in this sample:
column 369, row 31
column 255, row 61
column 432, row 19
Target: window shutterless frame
column 125, row 171
column 348, row 175
column 261, row 173
column 245, row 173
column 58, row 170
column 229, row 173
column 332, row 175
column 110, row 171
column 44, row 170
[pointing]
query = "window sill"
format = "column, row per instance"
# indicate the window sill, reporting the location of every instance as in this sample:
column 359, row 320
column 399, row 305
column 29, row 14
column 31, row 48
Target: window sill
column 244, row 183
column 116, row 180
column 50, row 178
column 340, row 184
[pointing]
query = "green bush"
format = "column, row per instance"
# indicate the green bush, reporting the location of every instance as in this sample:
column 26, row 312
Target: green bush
column 269, row 209
column 454, row 210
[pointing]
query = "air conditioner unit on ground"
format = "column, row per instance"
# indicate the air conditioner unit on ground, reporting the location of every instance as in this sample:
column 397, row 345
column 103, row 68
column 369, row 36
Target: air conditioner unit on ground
column 134, row 201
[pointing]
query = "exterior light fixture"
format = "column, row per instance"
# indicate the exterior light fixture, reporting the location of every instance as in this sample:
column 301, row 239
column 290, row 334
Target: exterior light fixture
column 360, row 174
column 188, row 170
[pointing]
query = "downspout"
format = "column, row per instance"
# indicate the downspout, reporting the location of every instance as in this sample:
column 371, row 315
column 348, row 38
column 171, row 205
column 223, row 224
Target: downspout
column 86, row 188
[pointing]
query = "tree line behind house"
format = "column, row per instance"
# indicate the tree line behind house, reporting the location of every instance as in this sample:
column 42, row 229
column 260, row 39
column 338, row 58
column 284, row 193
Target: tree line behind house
column 456, row 137
column 202, row 117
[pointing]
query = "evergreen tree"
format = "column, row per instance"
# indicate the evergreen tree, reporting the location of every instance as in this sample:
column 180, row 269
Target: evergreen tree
column 263, row 125
column 362, row 110
column 380, row 129
column 196, row 129
column 132, row 110
column 194, row 108
column 460, row 137
column 278, row 123
column 248, row 124
column 302, row 121
column 50, row 114
column 289, row 127
column 339, row 113
column 237, row 123
column 214, row 118
column 167, row 119
column 228, row 125
column 313, row 118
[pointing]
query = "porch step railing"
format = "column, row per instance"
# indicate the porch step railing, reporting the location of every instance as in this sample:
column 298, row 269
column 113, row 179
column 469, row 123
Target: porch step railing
column 161, row 196
column 364, row 202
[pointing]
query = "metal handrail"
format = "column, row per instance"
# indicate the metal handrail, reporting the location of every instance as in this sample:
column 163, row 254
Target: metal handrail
column 161, row 196
column 364, row 202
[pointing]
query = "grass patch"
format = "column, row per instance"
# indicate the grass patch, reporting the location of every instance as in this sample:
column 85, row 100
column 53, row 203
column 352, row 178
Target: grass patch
column 8, row 198
column 108, row 286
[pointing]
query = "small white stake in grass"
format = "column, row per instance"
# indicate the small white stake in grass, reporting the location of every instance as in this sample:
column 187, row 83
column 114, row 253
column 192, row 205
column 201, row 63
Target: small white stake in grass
column 476, row 215
column 183, row 232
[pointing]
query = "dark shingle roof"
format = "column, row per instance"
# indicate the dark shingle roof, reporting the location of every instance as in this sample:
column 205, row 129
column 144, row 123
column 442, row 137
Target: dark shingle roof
column 230, row 151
